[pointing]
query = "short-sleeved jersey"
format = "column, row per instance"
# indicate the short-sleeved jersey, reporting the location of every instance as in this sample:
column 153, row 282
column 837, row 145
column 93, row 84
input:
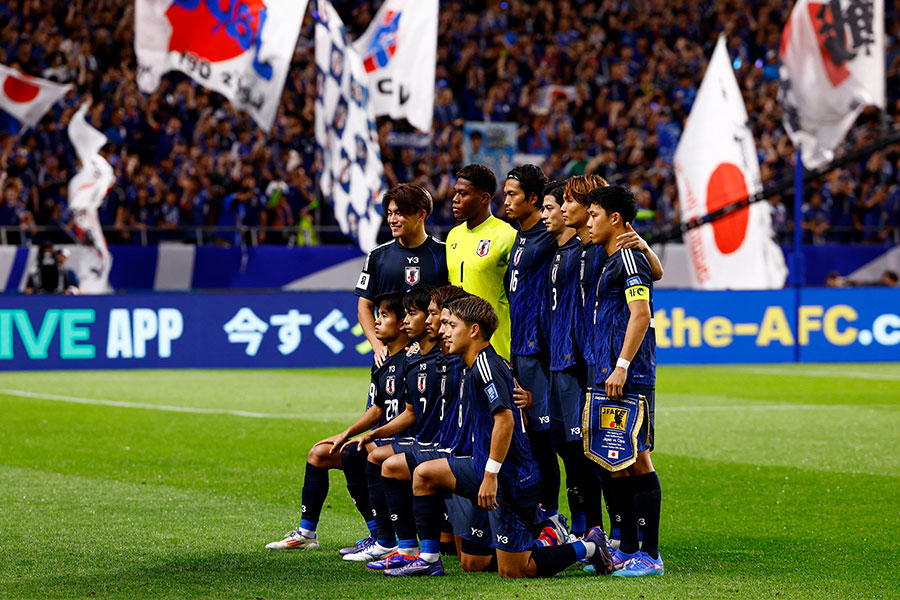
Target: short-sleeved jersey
column 488, row 389
column 592, row 259
column 560, row 296
column 527, row 280
column 422, row 390
column 477, row 259
column 387, row 385
column 392, row 267
column 625, row 278
column 449, row 415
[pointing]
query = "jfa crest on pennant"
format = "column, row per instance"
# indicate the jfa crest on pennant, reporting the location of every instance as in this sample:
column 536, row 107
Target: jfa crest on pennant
column 389, row 385
column 420, row 384
column 484, row 246
column 412, row 275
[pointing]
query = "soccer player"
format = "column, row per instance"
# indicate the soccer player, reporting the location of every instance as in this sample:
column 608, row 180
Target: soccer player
column 383, row 403
column 566, row 368
column 478, row 250
column 420, row 417
column 626, row 364
column 527, row 278
column 574, row 209
column 501, row 474
column 412, row 258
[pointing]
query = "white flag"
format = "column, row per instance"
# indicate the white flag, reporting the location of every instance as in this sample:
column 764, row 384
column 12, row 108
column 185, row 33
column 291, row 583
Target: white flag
column 240, row 48
column 399, row 51
column 348, row 159
column 28, row 98
column 87, row 190
column 832, row 66
column 715, row 165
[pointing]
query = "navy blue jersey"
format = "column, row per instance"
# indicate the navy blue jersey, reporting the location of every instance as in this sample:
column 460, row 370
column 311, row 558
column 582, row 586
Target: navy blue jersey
column 488, row 389
column 561, row 293
column 392, row 267
column 450, row 374
column 423, row 391
column 527, row 278
column 465, row 428
column 625, row 278
column 592, row 259
column 386, row 388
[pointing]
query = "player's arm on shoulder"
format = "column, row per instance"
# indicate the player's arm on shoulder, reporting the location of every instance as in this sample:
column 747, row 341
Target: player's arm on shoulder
column 632, row 239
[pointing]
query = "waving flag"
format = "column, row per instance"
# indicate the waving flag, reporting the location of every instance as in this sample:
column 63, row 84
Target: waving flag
column 28, row 98
column 87, row 190
column 715, row 165
column 239, row 48
column 832, row 66
column 348, row 159
column 399, row 51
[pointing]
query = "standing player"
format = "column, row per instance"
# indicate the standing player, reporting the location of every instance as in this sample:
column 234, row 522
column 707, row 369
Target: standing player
column 566, row 368
column 412, row 258
column 478, row 250
column 383, row 402
column 527, row 278
column 501, row 474
column 575, row 207
column 626, row 364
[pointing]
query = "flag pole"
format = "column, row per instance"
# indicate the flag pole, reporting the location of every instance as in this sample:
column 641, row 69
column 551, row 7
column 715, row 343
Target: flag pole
column 798, row 264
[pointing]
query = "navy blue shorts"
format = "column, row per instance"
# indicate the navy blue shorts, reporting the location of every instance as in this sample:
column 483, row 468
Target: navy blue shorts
column 417, row 453
column 514, row 522
column 380, row 443
column 468, row 478
column 533, row 374
column 566, row 406
column 400, row 445
column 468, row 521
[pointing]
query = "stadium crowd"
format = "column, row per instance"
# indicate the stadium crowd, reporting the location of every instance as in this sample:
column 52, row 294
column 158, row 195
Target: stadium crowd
column 184, row 157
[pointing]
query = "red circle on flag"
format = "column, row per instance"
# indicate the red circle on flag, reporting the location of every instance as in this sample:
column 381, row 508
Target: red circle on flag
column 19, row 90
column 727, row 185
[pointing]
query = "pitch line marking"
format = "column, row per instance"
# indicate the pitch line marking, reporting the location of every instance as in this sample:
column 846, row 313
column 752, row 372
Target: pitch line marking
column 826, row 374
column 313, row 417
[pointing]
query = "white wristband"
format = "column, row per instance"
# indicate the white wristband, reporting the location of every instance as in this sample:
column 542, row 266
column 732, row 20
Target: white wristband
column 492, row 466
column 623, row 363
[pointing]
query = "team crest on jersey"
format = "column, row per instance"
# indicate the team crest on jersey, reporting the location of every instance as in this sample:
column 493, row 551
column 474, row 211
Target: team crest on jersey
column 518, row 255
column 389, row 385
column 412, row 275
column 484, row 246
column 420, row 384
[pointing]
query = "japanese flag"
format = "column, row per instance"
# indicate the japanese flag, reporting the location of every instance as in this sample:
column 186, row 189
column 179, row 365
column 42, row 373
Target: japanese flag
column 832, row 66
column 28, row 98
column 715, row 165
column 399, row 52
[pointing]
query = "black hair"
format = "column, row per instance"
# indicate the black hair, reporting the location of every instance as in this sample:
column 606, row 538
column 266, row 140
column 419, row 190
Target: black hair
column 417, row 298
column 531, row 179
column 555, row 189
column 392, row 303
column 615, row 199
column 481, row 177
column 410, row 198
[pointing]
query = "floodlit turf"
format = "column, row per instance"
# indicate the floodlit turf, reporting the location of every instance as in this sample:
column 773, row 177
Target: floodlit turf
column 778, row 482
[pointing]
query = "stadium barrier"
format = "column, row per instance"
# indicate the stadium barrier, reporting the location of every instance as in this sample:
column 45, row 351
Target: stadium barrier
column 319, row 329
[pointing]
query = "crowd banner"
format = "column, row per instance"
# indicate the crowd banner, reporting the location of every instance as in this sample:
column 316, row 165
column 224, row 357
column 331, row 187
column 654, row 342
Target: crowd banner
column 490, row 144
column 399, row 51
column 348, row 157
column 716, row 165
column 241, row 48
column 832, row 66
column 87, row 190
column 319, row 329
column 28, row 98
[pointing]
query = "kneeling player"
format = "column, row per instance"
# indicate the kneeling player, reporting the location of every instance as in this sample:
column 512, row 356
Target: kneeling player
column 383, row 403
column 501, row 475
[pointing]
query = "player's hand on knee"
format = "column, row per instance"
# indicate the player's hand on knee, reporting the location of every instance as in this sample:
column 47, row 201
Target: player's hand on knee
column 338, row 443
column 362, row 441
column 487, row 493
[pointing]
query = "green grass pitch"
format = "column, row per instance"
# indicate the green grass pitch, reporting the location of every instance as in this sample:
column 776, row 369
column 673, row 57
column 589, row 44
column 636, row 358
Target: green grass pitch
column 778, row 482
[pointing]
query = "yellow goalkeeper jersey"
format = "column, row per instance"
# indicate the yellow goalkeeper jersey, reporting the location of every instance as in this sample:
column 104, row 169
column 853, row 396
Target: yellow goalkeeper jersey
column 476, row 261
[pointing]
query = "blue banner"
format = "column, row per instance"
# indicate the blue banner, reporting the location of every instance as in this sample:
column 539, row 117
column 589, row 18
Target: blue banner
column 320, row 329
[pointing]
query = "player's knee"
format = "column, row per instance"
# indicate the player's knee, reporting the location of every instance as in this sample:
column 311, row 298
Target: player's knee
column 423, row 480
column 395, row 468
column 318, row 455
column 474, row 564
column 510, row 572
